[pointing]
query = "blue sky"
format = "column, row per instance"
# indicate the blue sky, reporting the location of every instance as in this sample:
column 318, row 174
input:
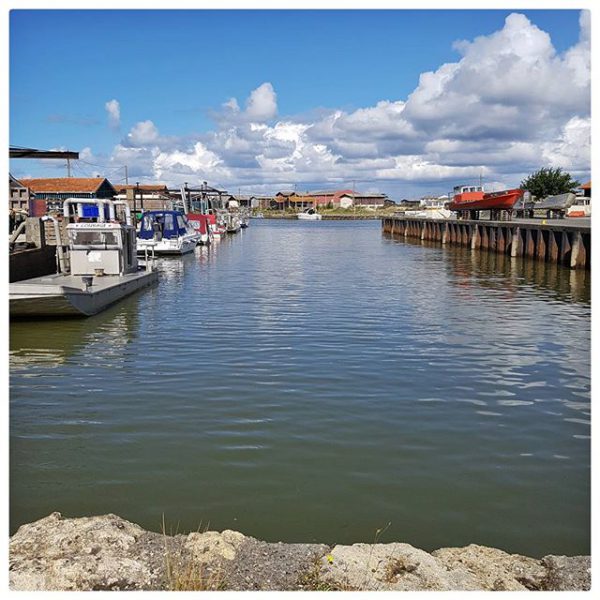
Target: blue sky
column 176, row 69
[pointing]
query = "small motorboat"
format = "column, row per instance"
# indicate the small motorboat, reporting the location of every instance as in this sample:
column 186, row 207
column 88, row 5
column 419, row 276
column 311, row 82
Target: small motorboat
column 201, row 223
column 166, row 232
column 100, row 268
column 310, row 214
column 558, row 204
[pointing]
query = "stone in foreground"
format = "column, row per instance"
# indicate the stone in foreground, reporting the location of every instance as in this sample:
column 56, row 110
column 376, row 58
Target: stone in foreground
column 110, row 553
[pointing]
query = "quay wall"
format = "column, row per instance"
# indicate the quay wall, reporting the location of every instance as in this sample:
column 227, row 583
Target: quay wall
column 561, row 243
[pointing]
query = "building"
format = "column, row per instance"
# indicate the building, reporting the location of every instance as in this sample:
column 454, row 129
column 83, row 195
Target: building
column 49, row 194
column 410, row 203
column 434, row 202
column 19, row 195
column 370, row 201
column 587, row 189
column 333, row 198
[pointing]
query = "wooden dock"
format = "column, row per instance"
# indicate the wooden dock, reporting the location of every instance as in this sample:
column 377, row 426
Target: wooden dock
column 555, row 241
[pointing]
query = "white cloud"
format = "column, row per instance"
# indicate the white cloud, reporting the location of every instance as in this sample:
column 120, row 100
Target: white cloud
column 199, row 162
column 571, row 150
column 509, row 105
column 143, row 133
column 262, row 103
column 113, row 109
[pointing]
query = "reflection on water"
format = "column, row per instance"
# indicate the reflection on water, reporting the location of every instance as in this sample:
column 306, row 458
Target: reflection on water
column 43, row 343
column 315, row 381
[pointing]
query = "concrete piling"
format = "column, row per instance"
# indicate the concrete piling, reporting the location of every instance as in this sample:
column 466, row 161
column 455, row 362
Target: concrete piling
column 558, row 242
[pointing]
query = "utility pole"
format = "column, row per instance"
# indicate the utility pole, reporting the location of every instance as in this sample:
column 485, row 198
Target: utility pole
column 126, row 176
column 68, row 167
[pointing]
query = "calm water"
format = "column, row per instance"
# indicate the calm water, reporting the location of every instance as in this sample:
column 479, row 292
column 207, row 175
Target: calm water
column 318, row 381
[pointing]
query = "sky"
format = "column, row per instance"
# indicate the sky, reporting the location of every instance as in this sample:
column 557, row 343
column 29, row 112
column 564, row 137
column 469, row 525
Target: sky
column 404, row 102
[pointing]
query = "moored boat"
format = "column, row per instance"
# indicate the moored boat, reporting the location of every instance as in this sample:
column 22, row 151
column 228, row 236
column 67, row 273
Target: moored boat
column 474, row 198
column 100, row 269
column 166, row 232
column 310, row 214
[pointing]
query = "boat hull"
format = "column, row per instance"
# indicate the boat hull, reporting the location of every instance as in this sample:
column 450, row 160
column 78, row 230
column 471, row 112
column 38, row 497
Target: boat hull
column 305, row 217
column 166, row 248
column 504, row 200
column 558, row 202
column 58, row 296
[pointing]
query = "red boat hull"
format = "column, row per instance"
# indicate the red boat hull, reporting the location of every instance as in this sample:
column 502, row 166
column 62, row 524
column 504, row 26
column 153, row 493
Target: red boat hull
column 504, row 200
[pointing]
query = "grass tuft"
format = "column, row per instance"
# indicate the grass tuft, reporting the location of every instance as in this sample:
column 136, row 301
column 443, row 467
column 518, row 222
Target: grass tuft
column 184, row 574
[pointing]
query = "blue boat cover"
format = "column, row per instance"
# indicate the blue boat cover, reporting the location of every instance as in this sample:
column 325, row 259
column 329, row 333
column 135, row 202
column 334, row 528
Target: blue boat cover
column 171, row 223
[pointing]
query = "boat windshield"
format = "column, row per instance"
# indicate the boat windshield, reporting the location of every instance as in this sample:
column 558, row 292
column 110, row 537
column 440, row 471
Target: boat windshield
column 94, row 238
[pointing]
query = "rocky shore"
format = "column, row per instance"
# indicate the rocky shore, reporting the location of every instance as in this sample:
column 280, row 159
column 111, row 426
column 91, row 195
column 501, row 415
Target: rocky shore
column 110, row 553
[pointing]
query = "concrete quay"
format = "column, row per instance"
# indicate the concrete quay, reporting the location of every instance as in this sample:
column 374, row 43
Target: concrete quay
column 562, row 241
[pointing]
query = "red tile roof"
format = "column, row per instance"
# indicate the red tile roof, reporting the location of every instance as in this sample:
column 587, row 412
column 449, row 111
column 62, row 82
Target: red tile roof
column 587, row 186
column 65, row 185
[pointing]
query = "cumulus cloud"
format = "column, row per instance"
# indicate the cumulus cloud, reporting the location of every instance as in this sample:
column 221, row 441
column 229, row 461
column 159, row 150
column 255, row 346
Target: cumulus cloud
column 113, row 108
column 143, row 133
column 262, row 103
column 510, row 104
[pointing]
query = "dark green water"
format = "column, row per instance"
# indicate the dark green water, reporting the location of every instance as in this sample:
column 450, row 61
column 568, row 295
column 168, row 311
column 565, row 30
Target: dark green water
column 317, row 381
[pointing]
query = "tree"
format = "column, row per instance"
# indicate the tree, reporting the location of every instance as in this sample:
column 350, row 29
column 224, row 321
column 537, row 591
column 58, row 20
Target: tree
column 549, row 182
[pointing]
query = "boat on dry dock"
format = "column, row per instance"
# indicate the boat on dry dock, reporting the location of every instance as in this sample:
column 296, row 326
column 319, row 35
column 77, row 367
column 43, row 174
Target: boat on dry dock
column 474, row 198
column 99, row 269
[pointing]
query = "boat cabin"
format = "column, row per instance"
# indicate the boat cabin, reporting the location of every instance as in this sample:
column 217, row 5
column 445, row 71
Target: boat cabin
column 163, row 224
column 102, row 248
column 466, row 193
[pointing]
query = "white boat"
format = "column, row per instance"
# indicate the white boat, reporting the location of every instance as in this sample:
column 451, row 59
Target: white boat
column 233, row 222
column 102, row 269
column 166, row 232
column 310, row 214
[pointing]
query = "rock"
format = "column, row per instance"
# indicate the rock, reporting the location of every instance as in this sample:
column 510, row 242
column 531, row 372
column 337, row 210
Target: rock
column 391, row 567
column 567, row 573
column 91, row 553
column 110, row 553
column 493, row 568
column 212, row 546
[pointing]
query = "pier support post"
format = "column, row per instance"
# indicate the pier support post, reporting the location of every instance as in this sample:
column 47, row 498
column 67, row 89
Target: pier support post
column 476, row 239
column 565, row 249
column 465, row 235
column 500, row 241
column 578, row 253
column 446, row 233
column 540, row 249
column 516, row 246
column 552, row 254
column 529, row 245
column 485, row 240
column 492, row 240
